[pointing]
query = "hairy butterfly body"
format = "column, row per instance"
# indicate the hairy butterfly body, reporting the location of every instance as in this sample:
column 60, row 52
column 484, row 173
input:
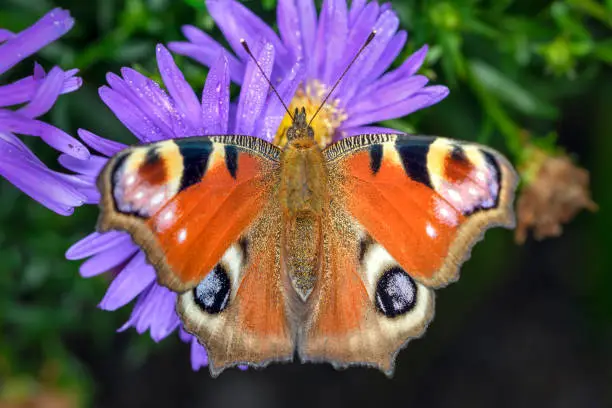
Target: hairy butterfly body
column 333, row 253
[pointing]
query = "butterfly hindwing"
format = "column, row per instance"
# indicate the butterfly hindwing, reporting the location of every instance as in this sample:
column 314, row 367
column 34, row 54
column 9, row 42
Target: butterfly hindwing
column 404, row 214
column 357, row 315
column 239, row 311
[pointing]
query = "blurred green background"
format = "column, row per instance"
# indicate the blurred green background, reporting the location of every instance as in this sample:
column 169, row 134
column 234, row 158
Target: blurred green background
column 527, row 325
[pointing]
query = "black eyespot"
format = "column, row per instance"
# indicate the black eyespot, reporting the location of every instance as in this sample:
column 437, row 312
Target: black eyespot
column 396, row 293
column 212, row 293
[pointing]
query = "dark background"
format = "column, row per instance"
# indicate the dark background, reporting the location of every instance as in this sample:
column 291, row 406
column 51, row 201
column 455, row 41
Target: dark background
column 527, row 325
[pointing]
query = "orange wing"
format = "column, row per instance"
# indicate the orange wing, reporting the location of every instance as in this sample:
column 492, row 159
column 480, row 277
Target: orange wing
column 426, row 200
column 202, row 209
column 404, row 213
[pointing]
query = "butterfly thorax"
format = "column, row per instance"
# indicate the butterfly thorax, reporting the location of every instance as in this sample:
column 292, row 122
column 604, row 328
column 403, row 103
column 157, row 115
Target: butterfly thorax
column 302, row 196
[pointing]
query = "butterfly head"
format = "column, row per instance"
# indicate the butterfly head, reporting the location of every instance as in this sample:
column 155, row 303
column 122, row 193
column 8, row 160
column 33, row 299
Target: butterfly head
column 300, row 129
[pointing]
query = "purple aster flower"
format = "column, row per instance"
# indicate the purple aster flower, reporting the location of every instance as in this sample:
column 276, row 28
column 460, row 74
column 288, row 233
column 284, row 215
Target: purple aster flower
column 30, row 98
column 316, row 49
column 303, row 63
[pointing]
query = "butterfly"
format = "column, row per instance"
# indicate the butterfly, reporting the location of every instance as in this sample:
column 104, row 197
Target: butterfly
column 332, row 254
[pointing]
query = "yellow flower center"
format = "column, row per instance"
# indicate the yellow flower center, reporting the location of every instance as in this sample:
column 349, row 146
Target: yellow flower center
column 329, row 118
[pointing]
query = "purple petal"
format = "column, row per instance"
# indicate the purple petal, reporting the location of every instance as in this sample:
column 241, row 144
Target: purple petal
column 205, row 50
column 308, row 30
column 91, row 166
column 101, row 145
column 184, row 335
column 408, row 68
column 23, row 90
column 16, row 123
column 331, row 39
column 385, row 27
column 238, row 22
column 199, row 357
column 254, row 90
column 132, row 117
column 46, row 30
column 36, row 180
column 388, row 95
column 393, row 49
column 215, row 97
column 95, row 243
column 147, row 95
column 45, row 95
column 129, row 283
column 385, row 7
column 5, row 35
column 180, row 91
column 108, row 259
column 356, row 9
column 289, row 26
column 357, row 36
column 9, row 141
column 427, row 97
column 154, row 311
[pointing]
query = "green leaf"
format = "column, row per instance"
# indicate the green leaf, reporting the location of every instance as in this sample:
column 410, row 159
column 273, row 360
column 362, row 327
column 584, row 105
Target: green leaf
column 509, row 91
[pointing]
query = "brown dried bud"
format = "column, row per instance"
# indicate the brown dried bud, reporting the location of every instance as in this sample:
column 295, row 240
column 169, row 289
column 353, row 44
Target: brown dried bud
column 555, row 190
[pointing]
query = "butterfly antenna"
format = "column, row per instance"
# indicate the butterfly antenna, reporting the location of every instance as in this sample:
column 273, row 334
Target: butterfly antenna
column 248, row 50
column 367, row 41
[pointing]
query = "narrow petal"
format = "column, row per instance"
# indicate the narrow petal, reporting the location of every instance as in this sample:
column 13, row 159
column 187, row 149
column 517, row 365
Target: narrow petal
column 205, row 50
column 427, row 97
column 238, row 22
column 58, row 139
column 180, row 91
column 385, row 27
column 392, row 51
column 150, row 98
column 356, row 9
column 129, row 283
column 45, row 95
column 95, row 243
column 333, row 32
column 46, row 30
column 307, row 14
column 132, row 117
column 37, row 181
column 154, row 311
column 5, row 35
column 184, row 336
column 408, row 68
column 199, row 356
column 357, row 36
column 105, row 146
column 215, row 97
column 91, row 166
column 108, row 259
column 388, row 95
column 23, row 90
column 254, row 91
column 289, row 26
